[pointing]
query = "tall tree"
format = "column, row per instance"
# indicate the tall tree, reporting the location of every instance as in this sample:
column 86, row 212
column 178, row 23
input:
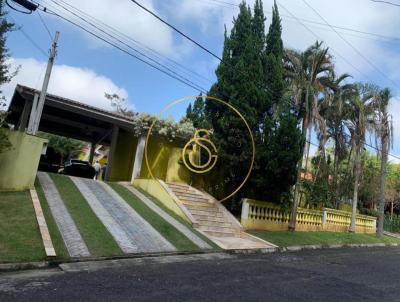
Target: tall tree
column 361, row 110
column 280, row 148
column 5, row 74
column 384, row 133
column 239, row 82
column 197, row 113
column 304, row 70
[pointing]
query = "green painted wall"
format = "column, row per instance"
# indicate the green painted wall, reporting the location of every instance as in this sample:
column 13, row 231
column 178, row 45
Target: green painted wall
column 155, row 189
column 18, row 166
column 164, row 159
column 122, row 162
column 163, row 156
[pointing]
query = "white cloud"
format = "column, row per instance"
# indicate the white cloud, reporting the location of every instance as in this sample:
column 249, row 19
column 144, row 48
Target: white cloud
column 80, row 84
column 129, row 19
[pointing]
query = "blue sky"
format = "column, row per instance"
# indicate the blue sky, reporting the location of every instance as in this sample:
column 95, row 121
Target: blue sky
column 86, row 68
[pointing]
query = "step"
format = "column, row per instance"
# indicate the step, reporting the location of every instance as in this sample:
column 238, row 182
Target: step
column 222, row 234
column 216, row 229
column 204, row 208
column 189, row 195
column 193, row 199
column 205, row 215
column 210, row 223
column 179, row 187
column 213, row 219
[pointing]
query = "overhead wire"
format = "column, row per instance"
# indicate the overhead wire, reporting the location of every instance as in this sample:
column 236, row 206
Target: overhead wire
column 98, row 36
column 283, row 16
column 176, row 29
column 351, row 45
column 20, row 29
column 130, row 47
column 45, row 26
column 386, row 2
column 123, row 50
column 142, row 46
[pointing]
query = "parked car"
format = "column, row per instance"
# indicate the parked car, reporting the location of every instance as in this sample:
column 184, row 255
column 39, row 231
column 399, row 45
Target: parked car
column 80, row 168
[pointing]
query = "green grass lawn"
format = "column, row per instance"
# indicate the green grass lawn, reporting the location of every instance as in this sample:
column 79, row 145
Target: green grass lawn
column 58, row 242
column 324, row 238
column 97, row 238
column 169, row 232
column 20, row 239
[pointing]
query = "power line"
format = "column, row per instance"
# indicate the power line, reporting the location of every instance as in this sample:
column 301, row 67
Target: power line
column 130, row 47
column 29, row 38
column 139, row 44
column 386, row 2
column 283, row 16
column 120, row 48
column 177, row 30
column 351, row 45
column 125, row 51
column 45, row 26
column 318, row 38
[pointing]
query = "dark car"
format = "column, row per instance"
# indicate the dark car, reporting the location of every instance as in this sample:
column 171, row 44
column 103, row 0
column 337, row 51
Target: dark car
column 80, row 168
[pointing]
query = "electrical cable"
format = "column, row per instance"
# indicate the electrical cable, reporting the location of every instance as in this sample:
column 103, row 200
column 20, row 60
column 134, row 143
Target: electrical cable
column 123, row 50
column 386, row 2
column 233, row 5
column 45, row 26
column 318, row 38
column 177, row 30
column 350, row 44
column 130, row 47
column 120, row 48
column 140, row 45
column 28, row 37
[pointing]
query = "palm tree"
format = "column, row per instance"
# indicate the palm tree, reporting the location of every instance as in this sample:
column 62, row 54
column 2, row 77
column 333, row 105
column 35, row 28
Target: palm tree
column 334, row 113
column 384, row 133
column 304, row 71
column 361, row 109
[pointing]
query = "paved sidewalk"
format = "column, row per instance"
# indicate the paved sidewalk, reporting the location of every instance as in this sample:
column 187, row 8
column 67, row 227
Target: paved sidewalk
column 179, row 226
column 72, row 238
column 129, row 228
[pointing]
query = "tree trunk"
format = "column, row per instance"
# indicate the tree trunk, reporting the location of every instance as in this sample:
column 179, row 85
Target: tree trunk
column 307, row 146
column 296, row 197
column 355, row 191
column 382, row 186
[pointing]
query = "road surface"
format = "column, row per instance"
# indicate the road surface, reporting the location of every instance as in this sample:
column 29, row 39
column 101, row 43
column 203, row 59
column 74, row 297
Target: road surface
column 352, row 274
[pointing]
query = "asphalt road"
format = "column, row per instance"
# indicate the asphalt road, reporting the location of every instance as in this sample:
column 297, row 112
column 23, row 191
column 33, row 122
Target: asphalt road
column 357, row 274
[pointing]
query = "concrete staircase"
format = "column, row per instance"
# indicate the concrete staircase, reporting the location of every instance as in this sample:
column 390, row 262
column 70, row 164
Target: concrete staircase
column 212, row 219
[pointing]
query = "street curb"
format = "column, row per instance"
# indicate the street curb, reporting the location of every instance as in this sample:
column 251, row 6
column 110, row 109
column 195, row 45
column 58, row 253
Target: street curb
column 12, row 267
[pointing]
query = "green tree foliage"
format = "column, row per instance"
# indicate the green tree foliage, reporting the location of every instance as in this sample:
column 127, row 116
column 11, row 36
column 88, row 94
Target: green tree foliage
column 67, row 148
column 5, row 75
column 197, row 113
column 251, row 79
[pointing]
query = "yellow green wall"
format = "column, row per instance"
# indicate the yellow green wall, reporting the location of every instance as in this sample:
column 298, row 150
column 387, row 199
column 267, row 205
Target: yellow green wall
column 18, row 166
column 164, row 161
column 154, row 188
column 122, row 161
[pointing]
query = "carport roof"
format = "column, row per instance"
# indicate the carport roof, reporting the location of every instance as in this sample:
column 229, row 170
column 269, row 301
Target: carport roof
column 68, row 117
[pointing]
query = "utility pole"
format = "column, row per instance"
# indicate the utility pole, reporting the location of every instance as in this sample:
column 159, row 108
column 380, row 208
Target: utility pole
column 38, row 101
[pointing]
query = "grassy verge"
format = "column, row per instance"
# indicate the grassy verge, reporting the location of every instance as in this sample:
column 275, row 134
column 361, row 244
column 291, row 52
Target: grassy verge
column 98, row 240
column 169, row 232
column 55, row 234
column 177, row 217
column 324, row 238
column 20, row 238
